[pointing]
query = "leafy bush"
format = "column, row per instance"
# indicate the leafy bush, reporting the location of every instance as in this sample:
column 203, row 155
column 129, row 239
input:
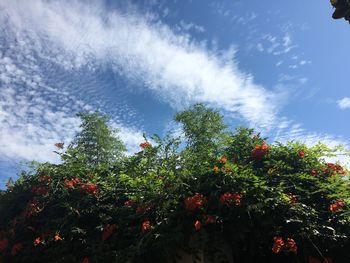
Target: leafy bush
column 214, row 192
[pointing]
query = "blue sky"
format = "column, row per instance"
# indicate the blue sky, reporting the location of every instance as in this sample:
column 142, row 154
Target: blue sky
column 278, row 66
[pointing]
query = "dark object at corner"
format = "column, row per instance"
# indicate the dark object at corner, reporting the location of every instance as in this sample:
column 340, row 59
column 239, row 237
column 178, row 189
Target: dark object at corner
column 342, row 9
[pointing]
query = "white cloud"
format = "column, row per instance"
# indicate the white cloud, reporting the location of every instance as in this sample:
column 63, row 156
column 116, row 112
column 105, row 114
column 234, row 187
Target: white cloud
column 131, row 138
column 277, row 45
column 191, row 26
column 177, row 69
column 69, row 36
column 260, row 47
column 344, row 103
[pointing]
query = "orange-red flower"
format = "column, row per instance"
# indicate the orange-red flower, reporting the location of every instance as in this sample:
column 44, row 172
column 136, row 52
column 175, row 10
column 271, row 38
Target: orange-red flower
column 38, row 241
column 146, row 225
column 230, row 199
column 313, row 172
column 216, row 169
column 16, row 248
column 108, row 231
column 335, row 169
column 288, row 246
column 292, row 198
column 71, row 183
column 223, row 159
column 291, row 246
column 195, row 202
column 260, row 150
column 3, row 244
column 85, row 260
column 301, row 153
column 336, row 206
column 197, row 225
column 57, row 237
column 89, row 188
column 277, row 245
column 145, row 145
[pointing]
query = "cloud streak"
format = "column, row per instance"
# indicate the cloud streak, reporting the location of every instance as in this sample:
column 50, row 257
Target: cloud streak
column 344, row 103
column 175, row 68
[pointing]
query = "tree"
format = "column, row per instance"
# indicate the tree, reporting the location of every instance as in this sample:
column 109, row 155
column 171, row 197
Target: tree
column 204, row 131
column 96, row 143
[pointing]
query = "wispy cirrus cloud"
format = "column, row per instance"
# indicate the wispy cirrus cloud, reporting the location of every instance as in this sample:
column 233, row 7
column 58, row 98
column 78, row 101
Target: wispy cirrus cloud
column 38, row 98
column 175, row 68
column 49, row 46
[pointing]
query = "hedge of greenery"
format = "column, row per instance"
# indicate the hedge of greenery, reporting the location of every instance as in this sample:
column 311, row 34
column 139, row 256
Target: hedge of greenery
column 196, row 194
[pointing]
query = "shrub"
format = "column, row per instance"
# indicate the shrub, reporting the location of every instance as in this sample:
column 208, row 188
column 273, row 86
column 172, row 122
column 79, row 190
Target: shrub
column 264, row 202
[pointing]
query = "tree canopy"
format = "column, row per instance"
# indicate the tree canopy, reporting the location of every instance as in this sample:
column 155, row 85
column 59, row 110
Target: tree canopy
column 96, row 144
column 229, row 196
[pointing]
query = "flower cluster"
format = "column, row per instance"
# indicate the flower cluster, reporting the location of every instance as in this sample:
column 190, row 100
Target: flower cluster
column 230, row 199
column 71, row 183
column 336, row 206
column 280, row 245
column 208, row 219
column 260, row 150
column 195, row 202
column 89, row 188
column 145, row 145
column 335, row 169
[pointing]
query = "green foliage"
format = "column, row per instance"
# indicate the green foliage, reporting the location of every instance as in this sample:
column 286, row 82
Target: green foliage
column 225, row 196
column 204, row 130
column 96, row 144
